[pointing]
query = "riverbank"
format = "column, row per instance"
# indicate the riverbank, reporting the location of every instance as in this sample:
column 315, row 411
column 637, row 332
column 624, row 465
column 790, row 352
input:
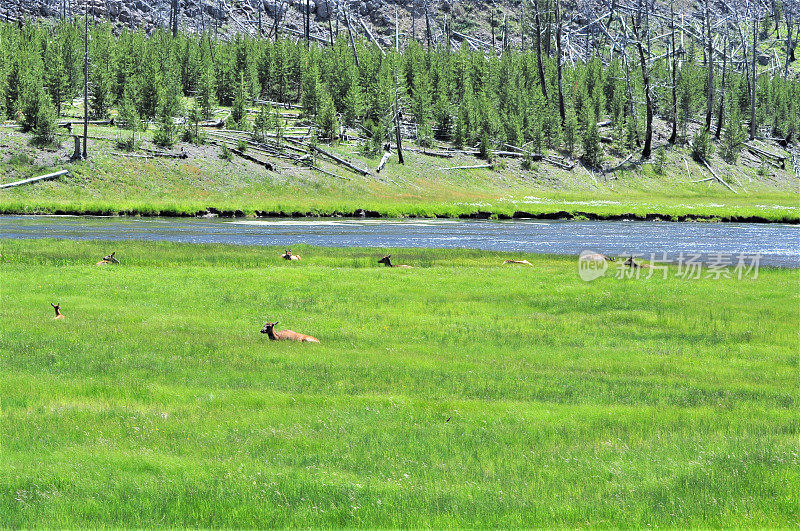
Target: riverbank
column 114, row 183
column 158, row 402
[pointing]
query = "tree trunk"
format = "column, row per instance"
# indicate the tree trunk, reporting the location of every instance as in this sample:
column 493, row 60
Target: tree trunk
column 539, row 50
column 789, row 47
column 85, row 153
column 350, row 32
column 753, row 84
column 674, row 134
column 710, row 65
column 561, row 109
column 722, row 88
column 397, row 135
column 308, row 23
column 648, row 131
column 428, row 32
column 175, row 11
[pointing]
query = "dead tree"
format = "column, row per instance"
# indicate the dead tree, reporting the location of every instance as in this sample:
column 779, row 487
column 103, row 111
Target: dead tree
column 789, row 44
column 561, row 109
column 722, row 86
column 539, row 49
column 648, row 131
column 85, row 153
column 674, row 134
column 174, row 17
column 710, row 65
column 753, row 84
column 428, row 28
column 350, row 33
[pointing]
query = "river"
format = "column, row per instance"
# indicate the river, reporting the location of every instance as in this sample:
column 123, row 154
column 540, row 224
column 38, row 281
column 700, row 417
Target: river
column 777, row 244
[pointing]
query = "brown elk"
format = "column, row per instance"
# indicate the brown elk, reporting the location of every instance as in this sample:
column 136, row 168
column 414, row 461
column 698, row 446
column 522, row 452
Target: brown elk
column 110, row 259
column 523, row 262
column 633, row 264
column 287, row 255
column 286, row 335
column 386, row 260
column 57, row 308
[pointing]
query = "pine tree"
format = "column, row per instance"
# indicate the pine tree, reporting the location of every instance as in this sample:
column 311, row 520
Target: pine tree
column 206, row 94
column 128, row 118
column 239, row 109
column 100, row 78
column 55, row 73
column 310, row 99
column 733, row 135
column 263, row 122
column 570, row 130
column 327, row 119
column 592, row 151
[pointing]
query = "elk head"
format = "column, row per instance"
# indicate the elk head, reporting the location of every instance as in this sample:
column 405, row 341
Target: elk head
column 268, row 327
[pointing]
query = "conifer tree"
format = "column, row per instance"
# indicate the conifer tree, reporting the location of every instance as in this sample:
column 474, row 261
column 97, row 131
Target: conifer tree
column 733, row 135
column 55, row 73
column 592, row 151
column 327, row 119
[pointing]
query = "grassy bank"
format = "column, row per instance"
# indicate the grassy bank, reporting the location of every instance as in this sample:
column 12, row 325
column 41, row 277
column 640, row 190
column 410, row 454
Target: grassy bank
column 113, row 184
column 457, row 393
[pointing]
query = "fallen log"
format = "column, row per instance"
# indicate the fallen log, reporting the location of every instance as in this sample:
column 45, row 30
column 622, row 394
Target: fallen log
column 474, row 167
column 383, row 161
column 618, row 166
column 326, row 172
column 91, row 122
column 773, row 158
column 439, row 154
column 266, row 164
column 559, row 164
column 156, row 153
column 35, row 179
column 729, row 187
column 340, row 160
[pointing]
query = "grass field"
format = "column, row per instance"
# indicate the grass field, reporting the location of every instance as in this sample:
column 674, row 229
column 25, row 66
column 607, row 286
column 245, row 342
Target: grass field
column 457, row 393
column 110, row 183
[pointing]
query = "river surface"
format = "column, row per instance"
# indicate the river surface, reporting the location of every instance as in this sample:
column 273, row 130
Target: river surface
column 777, row 244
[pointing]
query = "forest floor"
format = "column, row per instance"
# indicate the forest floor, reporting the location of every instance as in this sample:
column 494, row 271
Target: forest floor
column 115, row 182
column 459, row 393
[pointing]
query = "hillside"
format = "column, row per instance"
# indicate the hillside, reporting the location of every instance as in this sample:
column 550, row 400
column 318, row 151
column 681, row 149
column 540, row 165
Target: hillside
column 116, row 182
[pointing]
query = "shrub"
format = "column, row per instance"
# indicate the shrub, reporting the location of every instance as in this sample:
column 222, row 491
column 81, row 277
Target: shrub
column 660, row 160
column 702, row 148
column 225, row 153
column 165, row 134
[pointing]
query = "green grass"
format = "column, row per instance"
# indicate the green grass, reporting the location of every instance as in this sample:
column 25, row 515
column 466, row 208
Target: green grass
column 620, row 402
column 111, row 184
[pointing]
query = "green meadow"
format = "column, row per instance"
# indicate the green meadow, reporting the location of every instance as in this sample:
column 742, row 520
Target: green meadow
column 459, row 393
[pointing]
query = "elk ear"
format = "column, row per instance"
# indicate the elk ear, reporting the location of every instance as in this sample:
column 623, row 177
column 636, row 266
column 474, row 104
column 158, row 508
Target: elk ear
column 276, row 322
column 388, row 256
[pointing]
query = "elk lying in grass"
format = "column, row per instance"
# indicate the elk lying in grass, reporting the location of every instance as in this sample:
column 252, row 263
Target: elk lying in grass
column 110, row 259
column 523, row 262
column 633, row 264
column 286, row 335
column 57, row 308
column 287, row 255
column 597, row 257
column 386, row 260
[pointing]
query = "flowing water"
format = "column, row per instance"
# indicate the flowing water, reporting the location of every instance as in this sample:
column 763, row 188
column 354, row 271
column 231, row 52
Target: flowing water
column 777, row 244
